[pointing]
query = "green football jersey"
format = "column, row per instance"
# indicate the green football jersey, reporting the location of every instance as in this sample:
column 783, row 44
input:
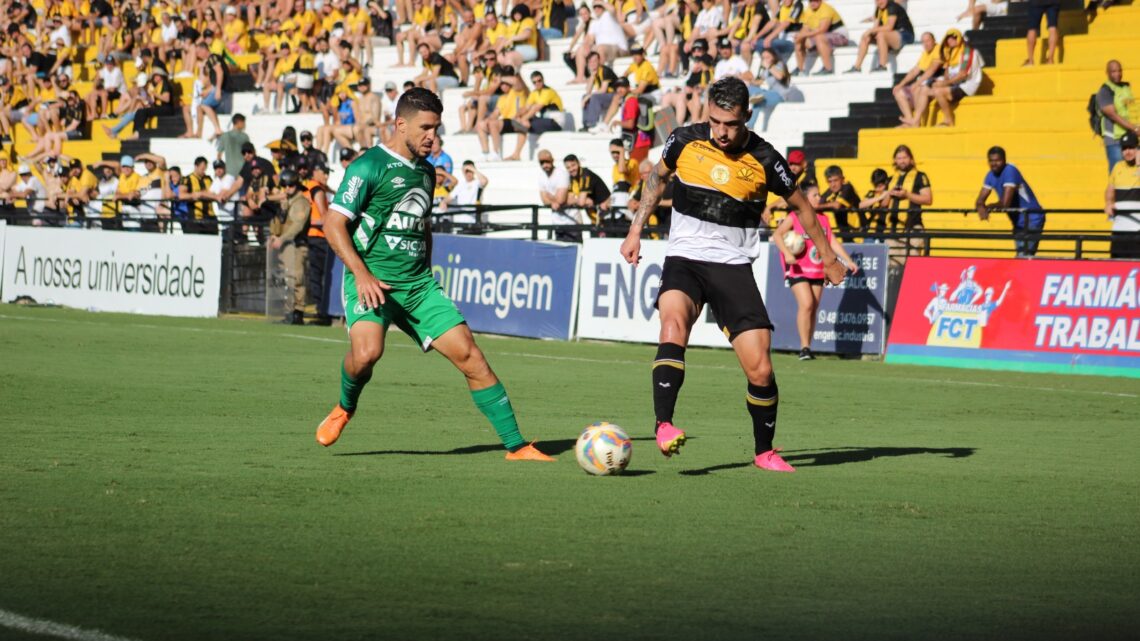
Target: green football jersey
column 387, row 199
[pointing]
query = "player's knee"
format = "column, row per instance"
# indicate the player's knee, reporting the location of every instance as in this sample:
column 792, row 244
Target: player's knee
column 366, row 354
column 760, row 374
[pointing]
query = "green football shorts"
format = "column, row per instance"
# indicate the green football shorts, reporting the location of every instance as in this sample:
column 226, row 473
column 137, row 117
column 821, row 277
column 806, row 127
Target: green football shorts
column 420, row 309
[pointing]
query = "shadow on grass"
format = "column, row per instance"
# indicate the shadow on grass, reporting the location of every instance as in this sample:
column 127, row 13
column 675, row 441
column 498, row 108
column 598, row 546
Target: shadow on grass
column 553, row 448
column 842, row 455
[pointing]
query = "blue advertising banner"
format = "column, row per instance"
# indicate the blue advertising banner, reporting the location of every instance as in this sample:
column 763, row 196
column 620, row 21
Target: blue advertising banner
column 850, row 318
column 334, row 300
column 513, row 287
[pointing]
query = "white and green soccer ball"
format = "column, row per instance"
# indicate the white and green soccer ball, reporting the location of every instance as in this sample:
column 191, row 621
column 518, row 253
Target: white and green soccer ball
column 603, row 449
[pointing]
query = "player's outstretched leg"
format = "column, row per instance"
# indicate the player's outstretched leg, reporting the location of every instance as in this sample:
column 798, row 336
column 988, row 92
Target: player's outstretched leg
column 367, row 345
column 668, row 376
column 458, row 346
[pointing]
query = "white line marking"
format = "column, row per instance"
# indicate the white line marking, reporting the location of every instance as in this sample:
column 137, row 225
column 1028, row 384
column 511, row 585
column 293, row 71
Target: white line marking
column 53, row 629
column 579, row 359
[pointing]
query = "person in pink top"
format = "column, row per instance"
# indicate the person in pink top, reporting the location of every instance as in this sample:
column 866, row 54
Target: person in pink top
column 804, row 271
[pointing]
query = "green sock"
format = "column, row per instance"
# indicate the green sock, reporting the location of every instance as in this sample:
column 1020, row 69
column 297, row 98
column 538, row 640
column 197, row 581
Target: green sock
column 495, row 405
column 350, row 388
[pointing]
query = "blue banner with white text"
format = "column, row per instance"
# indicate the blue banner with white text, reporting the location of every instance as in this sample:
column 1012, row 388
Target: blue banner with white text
column 851, row 317
column 513, row 287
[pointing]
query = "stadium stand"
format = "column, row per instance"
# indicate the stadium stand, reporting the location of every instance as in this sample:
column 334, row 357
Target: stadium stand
column 1037, row 113
column 847, row 119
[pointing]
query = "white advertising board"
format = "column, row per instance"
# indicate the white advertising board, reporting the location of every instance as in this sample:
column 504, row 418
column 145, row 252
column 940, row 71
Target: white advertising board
column 113, row 271
column 616, row 299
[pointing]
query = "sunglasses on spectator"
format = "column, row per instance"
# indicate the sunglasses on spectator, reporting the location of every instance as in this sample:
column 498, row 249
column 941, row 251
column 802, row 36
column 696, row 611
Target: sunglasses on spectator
column 546, row 161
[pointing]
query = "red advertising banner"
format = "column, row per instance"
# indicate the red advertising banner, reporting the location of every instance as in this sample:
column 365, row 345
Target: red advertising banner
column 1068, row 316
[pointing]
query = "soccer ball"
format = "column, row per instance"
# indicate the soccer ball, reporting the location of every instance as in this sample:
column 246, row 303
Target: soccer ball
column 603, row 449
column 795, row 243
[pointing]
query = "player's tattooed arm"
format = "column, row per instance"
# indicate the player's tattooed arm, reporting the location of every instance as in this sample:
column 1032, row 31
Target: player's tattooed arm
column 651, row 193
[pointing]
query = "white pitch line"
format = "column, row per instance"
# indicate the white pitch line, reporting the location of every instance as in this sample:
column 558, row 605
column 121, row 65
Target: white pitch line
column 582, row 359
column 53, row 629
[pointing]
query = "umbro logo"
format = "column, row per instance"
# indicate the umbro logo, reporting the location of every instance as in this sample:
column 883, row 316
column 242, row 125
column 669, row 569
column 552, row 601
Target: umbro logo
column 398, row 181
column 770, row 425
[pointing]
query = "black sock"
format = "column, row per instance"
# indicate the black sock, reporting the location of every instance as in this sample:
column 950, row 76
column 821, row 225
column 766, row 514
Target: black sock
column 763, row 402
column 668, row 376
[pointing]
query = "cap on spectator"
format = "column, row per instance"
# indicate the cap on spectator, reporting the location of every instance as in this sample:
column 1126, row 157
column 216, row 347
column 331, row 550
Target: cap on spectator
column 636, row 50
column 796, row 157
column 126, row 161
column 723, row 43
column 158, row 71
column 389, row 86
column 347, row 153
column 707, row 60
column 306, row 135
column 622, row 82
column 208, row 34
column 701, row 43
column 1129, row 141
column 219, row 164
column 321, row 167
column 231, row 10
column 76, row 163
column 364, row 82
column 23, row 169
column 276, row 145
column 248, row 148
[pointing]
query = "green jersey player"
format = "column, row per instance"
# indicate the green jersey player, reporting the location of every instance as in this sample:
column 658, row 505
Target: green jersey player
column 379, row 225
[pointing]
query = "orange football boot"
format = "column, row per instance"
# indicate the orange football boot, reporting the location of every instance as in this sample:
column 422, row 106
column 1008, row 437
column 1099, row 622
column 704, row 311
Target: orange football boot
column 330, row 428
column 528, row 453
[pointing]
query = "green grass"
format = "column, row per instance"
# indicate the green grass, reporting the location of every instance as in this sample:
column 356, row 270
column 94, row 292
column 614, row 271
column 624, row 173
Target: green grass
column 159, row 480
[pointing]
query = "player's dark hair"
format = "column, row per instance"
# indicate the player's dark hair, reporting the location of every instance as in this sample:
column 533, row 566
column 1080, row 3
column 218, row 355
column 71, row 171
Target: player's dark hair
column 200, row 160
column 729, row 93
column 618, row 142
column 832, row 171
column 570, row 157
column 880, row 177
column 418, row 99
column 904, row 148
column 807, row 186
column 996, row 151
column 237, row 118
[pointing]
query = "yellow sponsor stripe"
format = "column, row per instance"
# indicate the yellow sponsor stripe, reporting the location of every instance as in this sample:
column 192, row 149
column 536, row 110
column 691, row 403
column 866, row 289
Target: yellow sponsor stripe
column 762, row 402
column 680, row 366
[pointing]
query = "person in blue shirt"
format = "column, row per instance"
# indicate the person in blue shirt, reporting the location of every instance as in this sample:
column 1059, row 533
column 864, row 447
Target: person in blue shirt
column 1013, row 192
column 438, row 157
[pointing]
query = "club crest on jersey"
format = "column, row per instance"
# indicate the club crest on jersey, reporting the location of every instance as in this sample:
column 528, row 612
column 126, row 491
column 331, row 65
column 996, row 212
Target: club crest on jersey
column 720, row 175
column 352, row 189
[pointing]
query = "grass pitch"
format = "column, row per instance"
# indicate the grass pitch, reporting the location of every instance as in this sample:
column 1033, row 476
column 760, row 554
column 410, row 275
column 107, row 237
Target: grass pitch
column 159, row 479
